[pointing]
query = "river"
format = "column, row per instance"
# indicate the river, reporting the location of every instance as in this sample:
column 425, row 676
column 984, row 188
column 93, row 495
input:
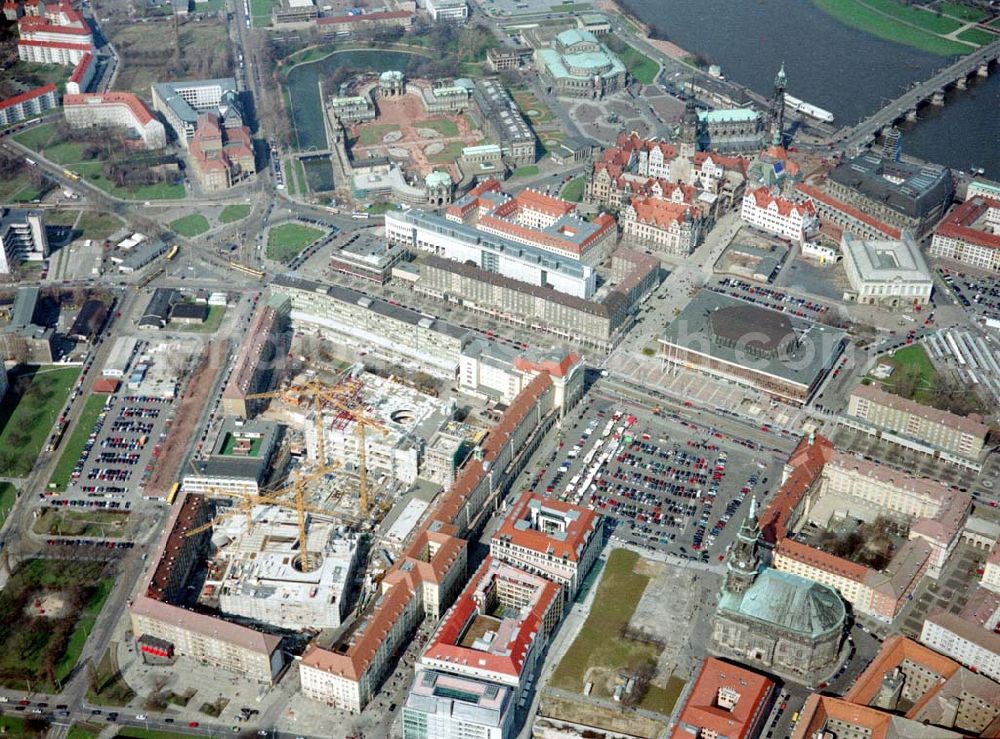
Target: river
column 836, row 67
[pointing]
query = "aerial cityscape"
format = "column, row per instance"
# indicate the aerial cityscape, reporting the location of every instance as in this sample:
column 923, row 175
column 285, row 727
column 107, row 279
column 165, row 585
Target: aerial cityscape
column 500, row 369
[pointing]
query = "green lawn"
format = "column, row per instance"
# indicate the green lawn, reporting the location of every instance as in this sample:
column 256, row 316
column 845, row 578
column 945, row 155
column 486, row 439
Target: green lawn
column 44, row 648
column 573, row 191
column 912, row 359
column 962, row 12
column 18, row 189
column 84, row 627
column 260, row 12
column 98, row 226
column 857, row 15
column 442, row 125
column 209, row 6
column 977, row 36
column 112, row 690
column 27, row 420
column 640, row 66
column 210, row 326
column 64, row 521
column 73, row 447
column 17, row 726
column 93, row 173
column 449, row 153
column 191, row 225
column 372, row 134
column 37, row 136
column 915, row 15
column 528, row 170
column 994, row 23
column 284, row 242
column 61, row 217
column 8, row 496
column 295, row 177
column 233, row 213
column 600, row 642
column 83, row 731
column 378, row 209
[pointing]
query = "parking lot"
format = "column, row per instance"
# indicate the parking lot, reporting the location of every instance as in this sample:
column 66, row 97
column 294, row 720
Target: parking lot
column 977, row 293
column 118, row 457
column 770, row 297
column 661, row 482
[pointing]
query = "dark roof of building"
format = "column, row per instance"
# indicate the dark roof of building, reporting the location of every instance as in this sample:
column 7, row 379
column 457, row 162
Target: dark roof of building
column 764, row 340
column 87, row 321
column 197, row 311
column 911, row 189
column 158, row 309
column 23, row 312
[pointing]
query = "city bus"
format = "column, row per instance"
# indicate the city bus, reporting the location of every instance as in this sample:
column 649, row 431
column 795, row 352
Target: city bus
column 70, row 175
column 172, row 495
column 172, row 253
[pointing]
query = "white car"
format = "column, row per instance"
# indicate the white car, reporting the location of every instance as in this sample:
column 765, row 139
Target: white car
column 141, row 717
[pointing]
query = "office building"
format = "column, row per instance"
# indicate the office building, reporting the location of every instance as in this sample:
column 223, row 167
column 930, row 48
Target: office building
column 912, row 424
column 294, row 13
column 181, row 104
column 556, row 540
column 239, row 461
column 344, row 26
column 447, row 10
column 774, row 214
column 118, row 110
column 368, row 258
column 505, row 59
column 578, row 65
column 520, row 238
column 727, row 700
column 497, row 628
column 494, row 371
column 776, row 353
column 970, row 234
column 441, row 706
column 890, row 273
column 373, row 324
column 965, row 642
column 906, row 196
column 22, row 238
column 846, row 217
column 669, row 227
column 260, row 359
column 595, row 323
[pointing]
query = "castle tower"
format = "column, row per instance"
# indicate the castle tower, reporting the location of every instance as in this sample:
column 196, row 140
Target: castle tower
column 689, row 124
column 778, row 108
column 743, row 560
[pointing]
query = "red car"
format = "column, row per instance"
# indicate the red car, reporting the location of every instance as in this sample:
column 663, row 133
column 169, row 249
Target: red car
column 193, row 724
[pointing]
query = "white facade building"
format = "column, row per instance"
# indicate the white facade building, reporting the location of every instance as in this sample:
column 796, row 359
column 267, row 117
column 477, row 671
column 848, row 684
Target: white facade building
column 970, row 234
column 975, row 647
column 888, row 272
column 776, row 215
column 447, row 10
column 117, row 109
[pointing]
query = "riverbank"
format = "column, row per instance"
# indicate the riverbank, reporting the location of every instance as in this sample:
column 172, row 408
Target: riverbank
column 908, row 25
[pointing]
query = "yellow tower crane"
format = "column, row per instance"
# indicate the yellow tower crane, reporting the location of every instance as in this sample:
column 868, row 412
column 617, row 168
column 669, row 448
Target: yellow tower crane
column 311, row 391
column 346, row 398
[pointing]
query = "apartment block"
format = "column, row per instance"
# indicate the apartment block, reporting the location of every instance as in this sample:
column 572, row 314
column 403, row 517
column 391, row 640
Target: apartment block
column 906, row 421
column 118, row 110
column 970, row 234
column 28, row 104
column 556, row 540
column 967, row 643
column 256, row 364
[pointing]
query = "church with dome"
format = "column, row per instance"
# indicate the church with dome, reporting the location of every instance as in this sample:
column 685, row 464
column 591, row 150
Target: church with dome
column 776, row 620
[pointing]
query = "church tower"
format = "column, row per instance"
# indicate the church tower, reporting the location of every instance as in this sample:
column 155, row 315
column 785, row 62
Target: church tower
column 778, row 108
column 743, row 560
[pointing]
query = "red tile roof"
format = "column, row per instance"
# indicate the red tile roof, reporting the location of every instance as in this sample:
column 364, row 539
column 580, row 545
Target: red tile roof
column 818, row 558
column 703, row 712
column 764, row 198
column 661, row 213
column 806, row 464
column 819, row 709
column 504, row 658
column 32, row 23
column 895, row 650
column 819, row 196
column 554, row 368
column 55, row 45
column 579, row 530
column 538, row 201
column 81, row 67
column 30, row 94
column 130, row 101
column 958, row 223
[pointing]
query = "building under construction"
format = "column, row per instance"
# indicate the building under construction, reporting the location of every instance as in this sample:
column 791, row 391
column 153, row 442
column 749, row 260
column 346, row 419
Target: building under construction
column 258, row 570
